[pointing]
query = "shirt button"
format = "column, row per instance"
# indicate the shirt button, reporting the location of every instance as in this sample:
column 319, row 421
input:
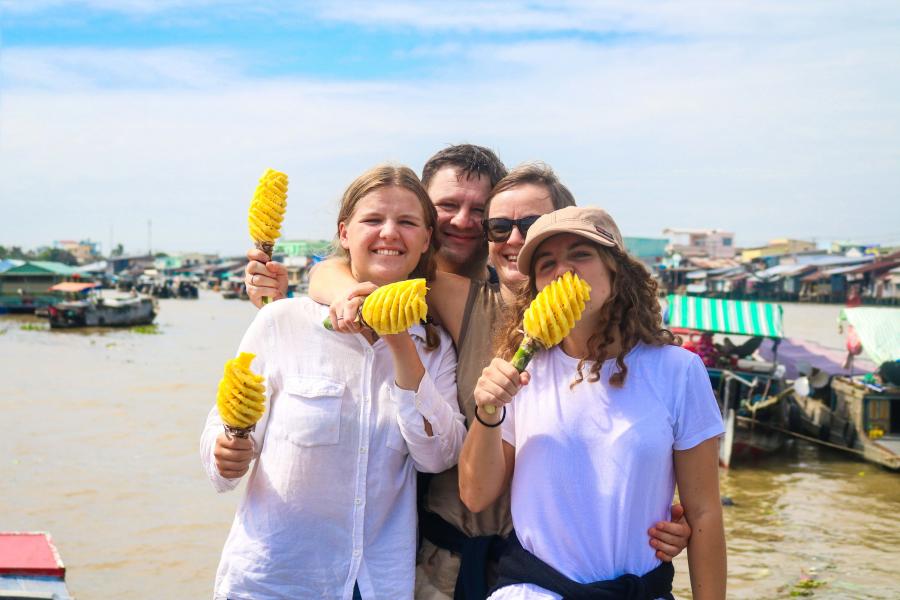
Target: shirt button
column 362, row 450
column 358, row 501
column 356, row 552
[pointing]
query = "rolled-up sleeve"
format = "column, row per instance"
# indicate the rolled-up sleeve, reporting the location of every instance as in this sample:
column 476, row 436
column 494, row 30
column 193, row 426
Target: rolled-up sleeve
column 436, row 402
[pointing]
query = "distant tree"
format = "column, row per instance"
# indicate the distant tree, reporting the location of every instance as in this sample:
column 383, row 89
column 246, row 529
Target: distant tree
column 56, row 255
column 119, row 250
column 160, row 255
column 13, row 252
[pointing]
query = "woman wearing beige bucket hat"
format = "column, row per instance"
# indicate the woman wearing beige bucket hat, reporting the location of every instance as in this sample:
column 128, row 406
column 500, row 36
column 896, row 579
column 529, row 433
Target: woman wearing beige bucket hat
column 595, row 436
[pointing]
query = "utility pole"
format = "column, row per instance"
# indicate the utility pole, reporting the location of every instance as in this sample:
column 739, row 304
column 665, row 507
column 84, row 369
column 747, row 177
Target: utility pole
column 150, row 237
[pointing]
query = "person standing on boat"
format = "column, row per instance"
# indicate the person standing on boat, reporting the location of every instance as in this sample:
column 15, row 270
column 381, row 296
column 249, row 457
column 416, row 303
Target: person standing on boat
column 593, row 438
column 330, row 507
column 457, row 557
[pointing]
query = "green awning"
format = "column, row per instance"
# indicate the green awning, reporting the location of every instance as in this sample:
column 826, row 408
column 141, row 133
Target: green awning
column 740, row 317
column 878, row 329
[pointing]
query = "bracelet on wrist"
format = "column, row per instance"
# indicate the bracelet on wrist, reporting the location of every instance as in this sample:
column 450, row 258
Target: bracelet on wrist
column 485, row 423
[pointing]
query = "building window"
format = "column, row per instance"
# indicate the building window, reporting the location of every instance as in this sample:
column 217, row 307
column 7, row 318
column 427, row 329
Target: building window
column 726, row 241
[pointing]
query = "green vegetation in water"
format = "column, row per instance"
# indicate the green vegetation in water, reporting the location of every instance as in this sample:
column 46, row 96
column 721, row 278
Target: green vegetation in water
column 3, row 331
column 147, row 329
column 32, row 327
column 804, row 588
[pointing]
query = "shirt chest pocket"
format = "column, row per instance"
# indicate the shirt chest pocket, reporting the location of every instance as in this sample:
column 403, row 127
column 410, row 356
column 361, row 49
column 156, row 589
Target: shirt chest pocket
column 310, row 410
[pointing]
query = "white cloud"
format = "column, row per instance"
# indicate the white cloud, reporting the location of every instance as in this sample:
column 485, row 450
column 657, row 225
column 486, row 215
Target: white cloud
column 794, row 137
column 67, row 69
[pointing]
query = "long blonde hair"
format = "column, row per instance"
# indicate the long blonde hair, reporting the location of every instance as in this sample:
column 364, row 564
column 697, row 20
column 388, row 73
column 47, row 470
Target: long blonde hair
column 388, row 175
column 632, row 310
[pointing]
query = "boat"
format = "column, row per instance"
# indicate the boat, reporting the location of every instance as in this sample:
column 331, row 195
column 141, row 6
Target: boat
column 859, row 413
column 104, row 310
column 30, row 567
column 752, row 393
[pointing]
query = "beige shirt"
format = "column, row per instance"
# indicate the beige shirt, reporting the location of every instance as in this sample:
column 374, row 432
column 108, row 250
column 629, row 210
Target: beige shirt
column 482, row 314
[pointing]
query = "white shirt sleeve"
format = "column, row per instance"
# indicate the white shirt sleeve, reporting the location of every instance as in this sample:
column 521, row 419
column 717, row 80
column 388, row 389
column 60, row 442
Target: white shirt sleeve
column 435, row 400
column 256, row 340
column 698, row 417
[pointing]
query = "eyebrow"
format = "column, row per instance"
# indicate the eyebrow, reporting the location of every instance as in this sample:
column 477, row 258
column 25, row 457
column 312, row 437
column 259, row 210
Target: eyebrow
column 378, row 213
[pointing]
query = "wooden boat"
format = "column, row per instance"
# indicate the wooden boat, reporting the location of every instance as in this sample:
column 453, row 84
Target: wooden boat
column 30, row 567
column 859, row 413
column 752, row 393
column 104, row 310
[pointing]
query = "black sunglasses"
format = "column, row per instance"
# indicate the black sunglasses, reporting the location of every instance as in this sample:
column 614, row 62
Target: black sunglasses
column 500, row 228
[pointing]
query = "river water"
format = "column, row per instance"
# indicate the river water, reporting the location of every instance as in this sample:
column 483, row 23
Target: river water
column 101, row 431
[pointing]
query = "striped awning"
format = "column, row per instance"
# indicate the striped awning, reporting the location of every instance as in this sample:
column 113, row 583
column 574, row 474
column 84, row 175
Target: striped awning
column 725, row 316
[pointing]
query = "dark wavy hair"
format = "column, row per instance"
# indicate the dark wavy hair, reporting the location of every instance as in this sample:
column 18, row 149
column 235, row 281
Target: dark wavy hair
column 469, row 160
column 632, row 311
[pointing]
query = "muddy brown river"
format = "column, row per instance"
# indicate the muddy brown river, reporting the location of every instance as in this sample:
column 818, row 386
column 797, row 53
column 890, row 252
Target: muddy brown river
column 101, row 431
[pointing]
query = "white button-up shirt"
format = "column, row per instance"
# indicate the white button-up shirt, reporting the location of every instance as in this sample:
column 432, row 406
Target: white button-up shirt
column 330, row 501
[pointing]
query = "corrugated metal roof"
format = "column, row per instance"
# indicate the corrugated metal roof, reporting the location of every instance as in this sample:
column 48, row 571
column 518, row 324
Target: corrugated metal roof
column 37, row 267
column 9, row 263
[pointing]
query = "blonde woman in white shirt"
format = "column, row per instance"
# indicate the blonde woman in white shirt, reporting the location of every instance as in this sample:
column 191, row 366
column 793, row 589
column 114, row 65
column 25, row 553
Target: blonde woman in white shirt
column 329, row 510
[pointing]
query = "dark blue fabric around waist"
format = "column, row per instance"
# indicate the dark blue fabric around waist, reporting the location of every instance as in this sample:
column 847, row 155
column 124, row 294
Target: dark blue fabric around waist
column 518, row 565
column 475, row 553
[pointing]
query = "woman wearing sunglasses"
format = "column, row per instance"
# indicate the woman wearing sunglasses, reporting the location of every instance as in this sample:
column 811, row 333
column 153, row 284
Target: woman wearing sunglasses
column 469, row 310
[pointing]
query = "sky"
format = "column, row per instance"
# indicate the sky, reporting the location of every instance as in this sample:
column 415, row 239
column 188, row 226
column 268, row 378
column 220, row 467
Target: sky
column 149, row 122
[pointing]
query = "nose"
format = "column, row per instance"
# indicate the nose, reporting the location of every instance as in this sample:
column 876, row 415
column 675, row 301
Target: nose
column 462, row 219
column 515, row 237
column 562, row 267
column 389, row 229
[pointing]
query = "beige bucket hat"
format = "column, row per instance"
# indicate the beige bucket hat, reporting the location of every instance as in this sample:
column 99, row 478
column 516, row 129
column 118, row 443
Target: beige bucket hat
column 590, row 222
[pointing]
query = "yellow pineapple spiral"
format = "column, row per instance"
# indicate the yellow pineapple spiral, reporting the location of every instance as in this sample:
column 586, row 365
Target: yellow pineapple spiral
column 241, row 393
column 556, row 308
column 267, row 207
column 396, row 307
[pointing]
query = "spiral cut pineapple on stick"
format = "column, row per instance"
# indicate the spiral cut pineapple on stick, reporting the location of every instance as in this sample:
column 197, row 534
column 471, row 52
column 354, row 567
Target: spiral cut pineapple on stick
column 267, row 212
column 550, row 317
column 393, row 308
column 241, row 396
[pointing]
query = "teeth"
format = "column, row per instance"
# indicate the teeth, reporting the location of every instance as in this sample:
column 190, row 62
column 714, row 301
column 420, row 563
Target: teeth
column 388, row 252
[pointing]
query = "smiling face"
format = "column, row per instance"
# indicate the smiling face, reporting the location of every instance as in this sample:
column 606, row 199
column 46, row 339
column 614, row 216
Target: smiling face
column 521, row 201
column 570, row 252
column 385, row 235
column 459, row 202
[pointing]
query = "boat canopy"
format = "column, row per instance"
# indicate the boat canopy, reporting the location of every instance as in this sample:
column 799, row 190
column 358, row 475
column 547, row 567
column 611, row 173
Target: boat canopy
column 878, row 330
column 73, row 286
column 739, row 317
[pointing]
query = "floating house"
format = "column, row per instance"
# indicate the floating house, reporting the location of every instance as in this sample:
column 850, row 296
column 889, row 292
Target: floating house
column 26, row 287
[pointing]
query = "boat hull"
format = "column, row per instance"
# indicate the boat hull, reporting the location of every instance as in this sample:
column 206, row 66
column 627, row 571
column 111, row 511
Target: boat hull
column 128, row 313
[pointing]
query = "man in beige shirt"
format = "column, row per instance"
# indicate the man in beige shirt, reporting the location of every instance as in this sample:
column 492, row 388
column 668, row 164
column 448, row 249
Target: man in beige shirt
column 458, row 547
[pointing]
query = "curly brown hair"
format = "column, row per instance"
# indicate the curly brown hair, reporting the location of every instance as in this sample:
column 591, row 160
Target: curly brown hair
column 632, row 312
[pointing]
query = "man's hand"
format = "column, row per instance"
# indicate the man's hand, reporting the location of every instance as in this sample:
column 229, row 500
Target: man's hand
column 232, row 455
column 669, row 538
column 264, row 278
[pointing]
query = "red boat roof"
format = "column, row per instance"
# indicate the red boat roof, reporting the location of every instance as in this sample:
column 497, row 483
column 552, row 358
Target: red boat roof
column 29, row 554
column 73, row 286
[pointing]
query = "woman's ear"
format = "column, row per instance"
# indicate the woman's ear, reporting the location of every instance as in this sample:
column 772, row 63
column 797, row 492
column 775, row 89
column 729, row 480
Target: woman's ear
column 342, row 235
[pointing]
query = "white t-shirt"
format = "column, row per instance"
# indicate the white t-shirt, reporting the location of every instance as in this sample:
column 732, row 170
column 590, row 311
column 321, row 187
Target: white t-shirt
column 594, row 464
